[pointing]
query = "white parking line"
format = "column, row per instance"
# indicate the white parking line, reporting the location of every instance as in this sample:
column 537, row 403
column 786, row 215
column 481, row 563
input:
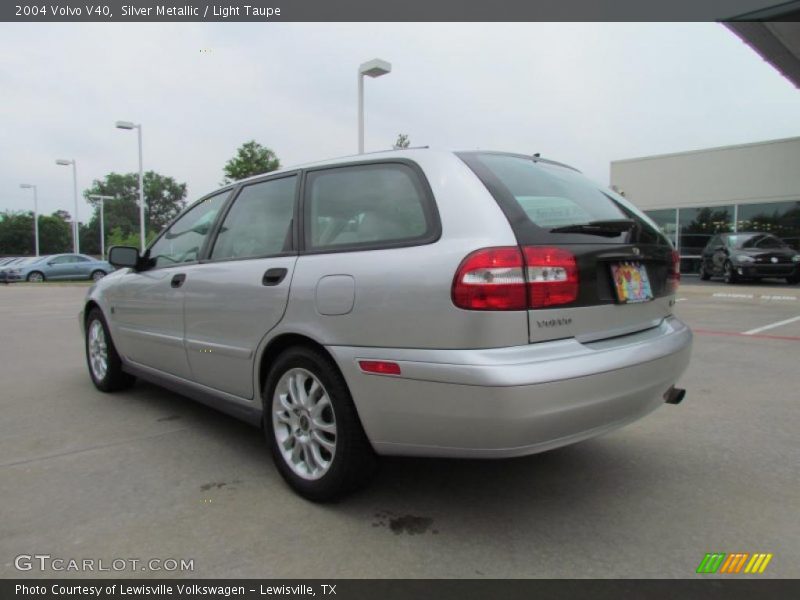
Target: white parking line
column 778, row 297
column 680, row 299
column 771, row 326
column 726, row 295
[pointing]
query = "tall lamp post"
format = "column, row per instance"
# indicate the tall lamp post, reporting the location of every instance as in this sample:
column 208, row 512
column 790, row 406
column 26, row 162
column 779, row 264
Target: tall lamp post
column 138, row 127
column 28, row 186
column 76, row 245
column 373, row 68
column 102, row 221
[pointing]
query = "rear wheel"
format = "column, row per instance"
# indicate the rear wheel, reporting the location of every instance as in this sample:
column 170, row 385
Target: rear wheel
column 35, row 277
column 729, row 274
column 793, row 279
column 98, row 275
column 105, row 365
column 312, row 427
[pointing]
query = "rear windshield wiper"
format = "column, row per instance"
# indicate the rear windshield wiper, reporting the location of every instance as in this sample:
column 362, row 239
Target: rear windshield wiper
column 609, row 228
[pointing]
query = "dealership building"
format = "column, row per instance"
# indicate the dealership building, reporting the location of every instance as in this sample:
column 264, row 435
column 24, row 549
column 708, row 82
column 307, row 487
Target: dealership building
column 693, row 195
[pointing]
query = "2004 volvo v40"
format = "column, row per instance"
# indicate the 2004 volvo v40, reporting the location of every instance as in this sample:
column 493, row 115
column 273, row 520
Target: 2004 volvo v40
column 416, row 302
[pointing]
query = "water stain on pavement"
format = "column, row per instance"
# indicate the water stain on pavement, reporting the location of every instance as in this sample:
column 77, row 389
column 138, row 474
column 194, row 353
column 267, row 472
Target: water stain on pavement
column 207, row 486
column 398, row 524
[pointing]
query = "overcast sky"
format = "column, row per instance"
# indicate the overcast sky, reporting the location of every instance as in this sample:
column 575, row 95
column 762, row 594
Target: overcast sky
column 584, row 94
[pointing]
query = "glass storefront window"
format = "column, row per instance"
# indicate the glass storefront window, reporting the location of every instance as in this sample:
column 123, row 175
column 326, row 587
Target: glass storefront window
column 781, row 219
column 698, row 225
column 666, row 221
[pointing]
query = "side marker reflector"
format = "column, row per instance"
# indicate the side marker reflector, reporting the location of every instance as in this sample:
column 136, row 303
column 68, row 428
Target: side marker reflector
column 379, row 367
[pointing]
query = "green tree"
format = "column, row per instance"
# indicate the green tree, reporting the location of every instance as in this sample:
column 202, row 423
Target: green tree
column 164, row 198
column 17, row 237
column 55, row 233
column 118, row 238
column 251, row 159
column 402, row 142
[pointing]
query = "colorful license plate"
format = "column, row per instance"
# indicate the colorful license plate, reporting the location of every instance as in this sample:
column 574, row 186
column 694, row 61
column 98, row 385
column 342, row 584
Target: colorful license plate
column 631, row 282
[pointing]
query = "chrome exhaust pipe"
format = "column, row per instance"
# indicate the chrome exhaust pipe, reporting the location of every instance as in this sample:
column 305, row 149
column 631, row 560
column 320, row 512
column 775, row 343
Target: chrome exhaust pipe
column 674, row 395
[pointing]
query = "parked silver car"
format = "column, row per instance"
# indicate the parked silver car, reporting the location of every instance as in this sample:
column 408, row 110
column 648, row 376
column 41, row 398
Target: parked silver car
column 58, row 267
column 413, row 302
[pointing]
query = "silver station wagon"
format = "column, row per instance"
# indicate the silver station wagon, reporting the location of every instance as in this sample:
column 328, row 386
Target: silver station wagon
column 414, row 302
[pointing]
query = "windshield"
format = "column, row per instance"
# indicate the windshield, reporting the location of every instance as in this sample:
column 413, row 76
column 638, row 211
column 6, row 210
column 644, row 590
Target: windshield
column 755, row 240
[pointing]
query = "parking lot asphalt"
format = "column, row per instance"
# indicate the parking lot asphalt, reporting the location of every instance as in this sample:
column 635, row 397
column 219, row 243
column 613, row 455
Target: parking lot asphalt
column 148, row 474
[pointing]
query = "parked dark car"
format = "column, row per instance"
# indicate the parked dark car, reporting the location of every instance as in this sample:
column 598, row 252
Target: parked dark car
column 735, row 256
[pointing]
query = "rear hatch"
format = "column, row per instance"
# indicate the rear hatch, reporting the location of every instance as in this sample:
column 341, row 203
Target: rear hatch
column 620, row 272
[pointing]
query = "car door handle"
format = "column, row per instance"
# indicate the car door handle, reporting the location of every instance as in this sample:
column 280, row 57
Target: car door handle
column 177, row 280
column 273, row 276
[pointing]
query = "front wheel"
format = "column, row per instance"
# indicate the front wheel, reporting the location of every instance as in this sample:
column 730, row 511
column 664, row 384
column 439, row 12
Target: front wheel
column 704, row 275
column 793, row 279
column 312, row 427
column 105, row 365
column 730, row 274
column 35, row 277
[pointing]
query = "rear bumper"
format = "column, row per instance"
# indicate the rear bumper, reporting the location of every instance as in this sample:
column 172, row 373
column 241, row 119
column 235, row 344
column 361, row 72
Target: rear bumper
column 513, row 401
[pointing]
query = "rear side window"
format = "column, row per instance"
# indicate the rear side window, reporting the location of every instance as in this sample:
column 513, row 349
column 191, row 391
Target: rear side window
column 260, row 221
column 539, row 198
column 366, row 206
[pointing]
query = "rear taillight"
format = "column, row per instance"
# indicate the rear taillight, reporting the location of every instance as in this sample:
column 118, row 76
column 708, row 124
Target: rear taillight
column 507, row 278
column 491, row 279
column 674, row 272
column 552, row 276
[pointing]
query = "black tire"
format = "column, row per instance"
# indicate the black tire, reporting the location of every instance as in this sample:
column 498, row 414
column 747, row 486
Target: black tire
column 729, row 274
column 35, row 276
column 115, row 378
column 704, row 275
column 793, row 279
column 97, row 275
column 354, row 461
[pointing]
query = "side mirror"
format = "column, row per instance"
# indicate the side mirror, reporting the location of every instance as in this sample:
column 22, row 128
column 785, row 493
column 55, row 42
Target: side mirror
column 124, row 256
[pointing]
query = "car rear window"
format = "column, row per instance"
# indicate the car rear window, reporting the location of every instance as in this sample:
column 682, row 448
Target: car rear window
column 539, row 196
column 551, row 196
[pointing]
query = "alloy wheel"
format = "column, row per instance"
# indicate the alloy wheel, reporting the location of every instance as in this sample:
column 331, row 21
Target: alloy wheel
column 304, row 423
column 98, row 350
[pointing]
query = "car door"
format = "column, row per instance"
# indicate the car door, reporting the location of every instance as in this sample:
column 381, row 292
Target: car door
column 60, row 267
column 708, row 252
column 147, row 306
column 240, row 292
column 82, row 266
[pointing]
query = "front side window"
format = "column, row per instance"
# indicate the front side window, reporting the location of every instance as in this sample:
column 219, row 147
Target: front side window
column 183, row 240
column 260, row 221
column 365, row 205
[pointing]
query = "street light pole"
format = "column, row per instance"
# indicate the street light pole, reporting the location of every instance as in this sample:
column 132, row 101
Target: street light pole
column 138, row 127
column 102, row 221
column 35, row 213
column 373, row 68
column 76, row 245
